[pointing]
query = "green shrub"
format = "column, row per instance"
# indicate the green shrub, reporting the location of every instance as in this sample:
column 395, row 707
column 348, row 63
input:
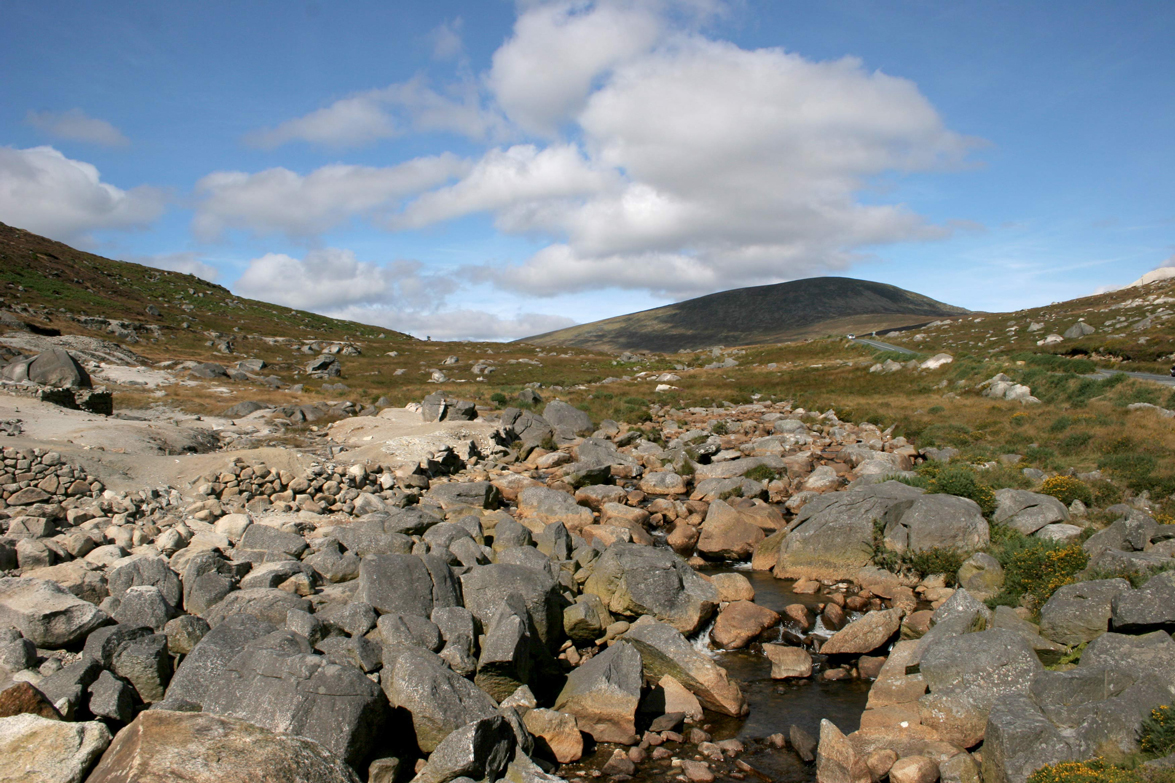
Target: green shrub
column 958, row 480
column 1093, row 771
column 1105, row 493
column 1040, row 455
column 1074, row 442
column 1157, row 734
column 1060, row 424
column 1067, row 489
column 938, row 560
column 719, row 428
column 499, row 398
column 761, row 473
column 1033, row 568
column 936, row 409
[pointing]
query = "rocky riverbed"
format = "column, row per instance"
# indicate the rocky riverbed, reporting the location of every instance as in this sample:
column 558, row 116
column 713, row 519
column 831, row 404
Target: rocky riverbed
column 536, row 596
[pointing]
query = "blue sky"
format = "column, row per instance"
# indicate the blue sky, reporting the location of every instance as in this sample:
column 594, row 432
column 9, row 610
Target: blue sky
column 494, row 169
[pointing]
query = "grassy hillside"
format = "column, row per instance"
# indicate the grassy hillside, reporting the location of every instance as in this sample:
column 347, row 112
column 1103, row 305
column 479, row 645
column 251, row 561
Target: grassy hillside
column 756, row 316
column 48, row 281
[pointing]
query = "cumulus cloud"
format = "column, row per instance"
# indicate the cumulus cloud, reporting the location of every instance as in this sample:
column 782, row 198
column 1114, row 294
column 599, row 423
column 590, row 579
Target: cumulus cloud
column 47, row 193
column 184, row 263
column 712, row 167
column 349, row 122
column 280, row 200
column 400, row 295
column 644, row 155
column 387, row 112
column 544, row 72
column 76, row 125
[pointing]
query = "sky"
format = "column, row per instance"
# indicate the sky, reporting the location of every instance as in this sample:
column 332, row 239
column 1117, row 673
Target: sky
column 493, row 169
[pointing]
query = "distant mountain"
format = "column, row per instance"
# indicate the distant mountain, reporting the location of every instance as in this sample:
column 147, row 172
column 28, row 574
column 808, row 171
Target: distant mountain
column 761, row 314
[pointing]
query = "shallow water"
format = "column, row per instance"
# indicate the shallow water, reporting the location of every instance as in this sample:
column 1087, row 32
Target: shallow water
column 774, row 704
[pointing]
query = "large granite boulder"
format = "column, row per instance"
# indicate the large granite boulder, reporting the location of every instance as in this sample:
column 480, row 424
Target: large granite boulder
column 34, row 749
column 407, row 584
column 1027, row 512
column 486, row 588
column 540, row 506
column 966, row 674
column 1080, row 612
column 634, row 580
column 865, row 634
column 163, row 747
column 439, row 700
column 1150, row 608
column 245, row 669
column 45, row 613
column 664, row 651
column 938, row 522
column 603, row 694
column 728, row 534
column 568, row 422
column 832, row 536
column 479, row 750
column 1095, row 709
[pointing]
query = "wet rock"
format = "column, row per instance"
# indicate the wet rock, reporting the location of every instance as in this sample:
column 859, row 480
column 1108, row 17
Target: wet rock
column 603, row 694
column 740, row 623
column 665, row 651
column 162, row 746
column 864, row 634
column 788, row 662
column 697, row 771
column 619, row 764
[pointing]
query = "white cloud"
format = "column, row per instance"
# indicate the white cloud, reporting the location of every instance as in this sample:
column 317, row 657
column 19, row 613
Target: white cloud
column 515, row 183
column 349, row 122
column 446, row 40
column 543, row 74
column 280, row 200
column 668, row 161
column 184, row 263
column 399, row 295
column 47, row 193
column 372, row 115
column 457, row 324
column 706, row 166
column 76, row 125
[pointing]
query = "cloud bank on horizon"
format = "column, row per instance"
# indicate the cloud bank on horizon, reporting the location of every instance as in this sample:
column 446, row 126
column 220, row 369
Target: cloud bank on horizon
column 626, row 145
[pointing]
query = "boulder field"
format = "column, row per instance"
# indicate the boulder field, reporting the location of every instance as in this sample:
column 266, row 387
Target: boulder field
column 544, row 604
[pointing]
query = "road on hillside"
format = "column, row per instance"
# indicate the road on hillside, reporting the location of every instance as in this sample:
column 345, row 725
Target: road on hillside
column 884, row 346
column 1166, row 380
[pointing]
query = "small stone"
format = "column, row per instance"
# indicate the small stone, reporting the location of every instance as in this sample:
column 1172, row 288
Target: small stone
column 697, row 771
column 619, row 764
column 914, row 769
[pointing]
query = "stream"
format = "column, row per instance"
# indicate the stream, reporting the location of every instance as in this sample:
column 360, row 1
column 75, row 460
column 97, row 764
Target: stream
column 774, row 704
